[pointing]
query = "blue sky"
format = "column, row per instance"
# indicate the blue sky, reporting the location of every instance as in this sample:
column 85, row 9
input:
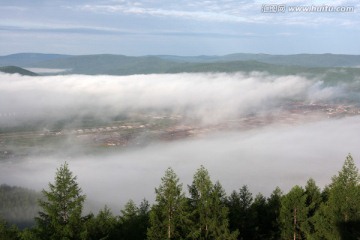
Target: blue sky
column 176, row 27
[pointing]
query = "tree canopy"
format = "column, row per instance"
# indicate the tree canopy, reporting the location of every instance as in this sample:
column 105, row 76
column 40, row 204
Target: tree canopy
column 62, row 205
column 169, row 215
column 205, row 212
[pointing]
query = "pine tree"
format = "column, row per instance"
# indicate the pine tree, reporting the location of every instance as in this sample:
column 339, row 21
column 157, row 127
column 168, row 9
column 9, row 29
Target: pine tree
column 345, row 192
column 134, row 220
column 323, row 225
column 313, row 202
column 210, row 215
column 246, row 214
column 233, row 203
column 103, row 226
column 143, row 219
column 241, row 215
column 273, row 205
column 169, row 216
column 293, row 214
column 8, row 232
column 200, row 192
column 129, row 212
column 259, row 209
column 339, row 217
column 220, row 213
column 61, row 206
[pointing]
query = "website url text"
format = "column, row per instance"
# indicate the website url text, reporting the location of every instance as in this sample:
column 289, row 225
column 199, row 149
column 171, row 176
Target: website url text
column 282, row 8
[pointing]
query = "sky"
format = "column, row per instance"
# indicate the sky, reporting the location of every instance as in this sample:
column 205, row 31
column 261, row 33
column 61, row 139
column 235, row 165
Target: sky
column 173, row 27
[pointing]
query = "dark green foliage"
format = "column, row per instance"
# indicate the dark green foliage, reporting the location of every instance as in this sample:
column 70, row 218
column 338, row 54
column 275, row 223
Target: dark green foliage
column 62, row 206
column 169, row 215
column 313, row 202
column 302, row 213
column 28, row 234
column 132, row 224
column 345, row 192
column 246, row 222
column 134, row 221
column 339, row 216
column 18, row 70
column 220, row 225
column 260, row 218
column 103, row 226
column 18, row 205
column 274, row 206
column 241, row 214
column 209, row 213
column 293, row 214
column 8, row 232
column 233, row 203
column 256, row 219
column 200, row 192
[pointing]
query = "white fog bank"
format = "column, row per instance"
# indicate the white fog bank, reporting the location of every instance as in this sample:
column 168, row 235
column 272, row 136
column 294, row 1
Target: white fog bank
column 261, row 158
column 210, row 97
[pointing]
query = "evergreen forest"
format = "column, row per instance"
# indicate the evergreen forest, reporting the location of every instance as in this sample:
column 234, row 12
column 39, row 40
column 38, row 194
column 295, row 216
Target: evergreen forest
column 202, row 210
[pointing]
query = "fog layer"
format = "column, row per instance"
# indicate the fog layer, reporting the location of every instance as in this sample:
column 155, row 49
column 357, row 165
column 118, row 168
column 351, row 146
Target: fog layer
column 209, row 97
column 263, row 159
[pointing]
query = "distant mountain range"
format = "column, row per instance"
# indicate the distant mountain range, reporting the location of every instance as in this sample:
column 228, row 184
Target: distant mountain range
column 26, row 59
column 305, row 60
column 309, row 64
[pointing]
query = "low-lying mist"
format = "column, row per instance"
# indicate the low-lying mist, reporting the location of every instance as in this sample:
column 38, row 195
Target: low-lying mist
column 262, row 157
column 207, row 97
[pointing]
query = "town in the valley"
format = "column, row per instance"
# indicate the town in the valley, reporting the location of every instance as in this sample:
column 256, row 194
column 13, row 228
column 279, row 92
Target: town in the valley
column 144, row 129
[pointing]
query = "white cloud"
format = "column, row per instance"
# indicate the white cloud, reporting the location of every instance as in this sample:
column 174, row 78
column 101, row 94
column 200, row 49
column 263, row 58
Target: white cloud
column 12, row 8
column 208, row 97
column 193, row 15
column 231, row 11
column 19, row 25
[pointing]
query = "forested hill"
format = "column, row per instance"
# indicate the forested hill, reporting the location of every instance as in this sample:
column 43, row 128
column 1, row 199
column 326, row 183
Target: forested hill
column 18, row 205
column 331, row 66
column 204, row 212
column 305, row 60
column 18, row 70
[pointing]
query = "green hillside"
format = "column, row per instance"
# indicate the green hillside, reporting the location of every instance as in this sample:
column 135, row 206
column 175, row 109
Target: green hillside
column 329, row 67
column 109, row 64
column 314, row 60
column 124, row 65
column 66, row 61
column 14, row 69
column 305, row 60
column 329, row 75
